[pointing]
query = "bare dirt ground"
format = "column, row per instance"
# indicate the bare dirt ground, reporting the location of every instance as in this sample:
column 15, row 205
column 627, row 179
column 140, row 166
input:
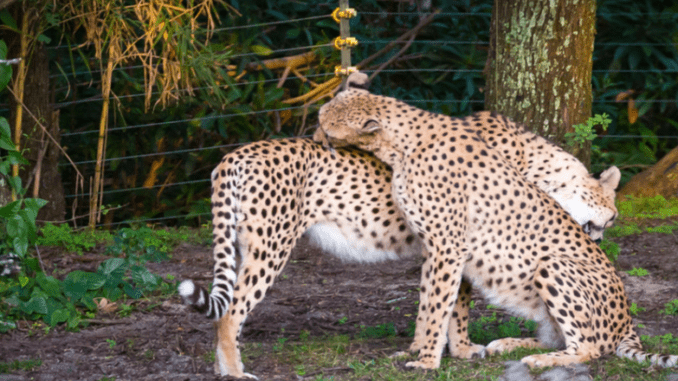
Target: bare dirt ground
column 315, row 292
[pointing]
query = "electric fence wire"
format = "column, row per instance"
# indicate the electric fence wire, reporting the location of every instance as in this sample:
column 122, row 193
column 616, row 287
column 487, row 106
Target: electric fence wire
column 455, row 14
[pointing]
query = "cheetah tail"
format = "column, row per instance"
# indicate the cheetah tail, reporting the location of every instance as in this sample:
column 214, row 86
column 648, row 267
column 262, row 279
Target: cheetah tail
column 630, row 348
column 225, row 209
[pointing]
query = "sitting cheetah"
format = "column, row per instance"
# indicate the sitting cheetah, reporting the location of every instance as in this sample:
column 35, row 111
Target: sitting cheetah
column 266, row 194
column 480, row 220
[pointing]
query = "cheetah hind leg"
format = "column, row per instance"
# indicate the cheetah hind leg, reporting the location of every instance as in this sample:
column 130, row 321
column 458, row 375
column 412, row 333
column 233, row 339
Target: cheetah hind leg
column 227, row 356
column 580, row 343
column 250, row 288
column 457, row 332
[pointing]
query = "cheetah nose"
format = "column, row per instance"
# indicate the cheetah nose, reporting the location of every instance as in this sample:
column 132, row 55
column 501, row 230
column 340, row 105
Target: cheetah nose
column 598, row 241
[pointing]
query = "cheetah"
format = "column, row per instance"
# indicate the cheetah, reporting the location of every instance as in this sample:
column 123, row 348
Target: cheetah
column 265, row 195
column 480, row 220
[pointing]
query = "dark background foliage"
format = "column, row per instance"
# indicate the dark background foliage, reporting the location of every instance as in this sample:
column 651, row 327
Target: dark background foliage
column 635, row 50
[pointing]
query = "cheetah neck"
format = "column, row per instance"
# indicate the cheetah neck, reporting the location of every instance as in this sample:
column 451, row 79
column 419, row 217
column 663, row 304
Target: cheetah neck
column 403, row 134
column 546, row 164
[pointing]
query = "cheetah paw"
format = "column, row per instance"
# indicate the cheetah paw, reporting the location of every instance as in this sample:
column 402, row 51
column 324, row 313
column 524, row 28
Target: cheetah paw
column 421, row 365
column 496, row 347
column 400, row 354
column 474, row 351
column 536, row 361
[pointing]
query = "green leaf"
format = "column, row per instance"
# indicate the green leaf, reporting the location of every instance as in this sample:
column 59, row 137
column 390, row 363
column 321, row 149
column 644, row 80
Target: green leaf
column 16, row 158
column 88, row 301
column 144, row 278
column 4, row 167
column 77, row 283
column 5, row 130
column 6, row 325
column 7, row 19
column 29, row 219
column 73, row 322
column 16, row 226
column 6, row 142
column 111, row 265
column 37, row 304
column 10, row 209
column 5, row 75
column 44, row 39
column 50, row 285
column 15, row 183
column 261, row 50
column 33, row 264
column 58, row 316
column 34, row 204
column 112, row 294
column 20, row 245
column 132, row 292
column 292, row 33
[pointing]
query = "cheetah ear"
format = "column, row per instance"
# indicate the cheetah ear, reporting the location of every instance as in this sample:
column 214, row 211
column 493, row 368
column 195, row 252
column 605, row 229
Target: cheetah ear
column 370, row 127
column 610, row 178
column 358, row 80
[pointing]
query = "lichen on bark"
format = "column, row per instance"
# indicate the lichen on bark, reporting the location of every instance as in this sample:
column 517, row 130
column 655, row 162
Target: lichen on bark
column 539, row 64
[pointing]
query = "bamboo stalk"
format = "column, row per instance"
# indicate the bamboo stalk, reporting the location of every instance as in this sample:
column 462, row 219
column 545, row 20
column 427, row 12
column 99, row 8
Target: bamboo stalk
column 103, row 130
column 19, row 86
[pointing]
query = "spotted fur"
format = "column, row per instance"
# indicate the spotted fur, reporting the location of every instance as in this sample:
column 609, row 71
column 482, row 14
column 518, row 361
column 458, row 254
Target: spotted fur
column 265, row 195
column 481, row 220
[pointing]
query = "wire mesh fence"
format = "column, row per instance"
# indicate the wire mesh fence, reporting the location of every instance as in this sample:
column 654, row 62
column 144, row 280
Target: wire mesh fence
column 70, row 74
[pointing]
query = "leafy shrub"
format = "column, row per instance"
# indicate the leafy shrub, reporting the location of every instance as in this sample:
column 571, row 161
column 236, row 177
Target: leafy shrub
column 610, row 248
column 55, row 301
column 27, row 365
column 17, row 218
column 585, row 132
column 637, row 271
column 663, row 229
column 671, row 308
column 74, row 242
column 636, row 309
column 648, row 207
column 621, row 231
column 489, row 328
column 142, row 244
column 660, row 344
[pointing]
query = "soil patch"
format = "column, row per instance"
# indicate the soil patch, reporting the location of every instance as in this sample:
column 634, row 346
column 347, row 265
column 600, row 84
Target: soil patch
column 315, row 293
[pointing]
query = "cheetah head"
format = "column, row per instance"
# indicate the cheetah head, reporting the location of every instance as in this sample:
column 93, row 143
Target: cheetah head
column 591, row 201
column 351, row 118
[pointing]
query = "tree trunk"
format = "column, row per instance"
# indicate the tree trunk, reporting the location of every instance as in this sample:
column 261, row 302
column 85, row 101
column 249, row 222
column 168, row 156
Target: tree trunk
column 660, row 179
column 37, row 148
column 538, row 70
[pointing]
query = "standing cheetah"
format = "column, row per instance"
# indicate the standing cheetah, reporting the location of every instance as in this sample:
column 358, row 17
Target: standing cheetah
column 266, row 194
column 481, row 220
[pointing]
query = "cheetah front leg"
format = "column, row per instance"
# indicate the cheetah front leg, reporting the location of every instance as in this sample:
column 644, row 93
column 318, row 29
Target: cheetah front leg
column 441, row 276
column 460, row 345
column 420, row 326
column 457, row 333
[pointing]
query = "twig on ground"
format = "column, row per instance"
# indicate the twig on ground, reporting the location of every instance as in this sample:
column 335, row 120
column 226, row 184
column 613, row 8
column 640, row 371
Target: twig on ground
column 42, row 266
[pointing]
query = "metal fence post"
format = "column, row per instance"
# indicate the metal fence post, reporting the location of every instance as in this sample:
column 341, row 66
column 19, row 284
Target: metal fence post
column 344, row 42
